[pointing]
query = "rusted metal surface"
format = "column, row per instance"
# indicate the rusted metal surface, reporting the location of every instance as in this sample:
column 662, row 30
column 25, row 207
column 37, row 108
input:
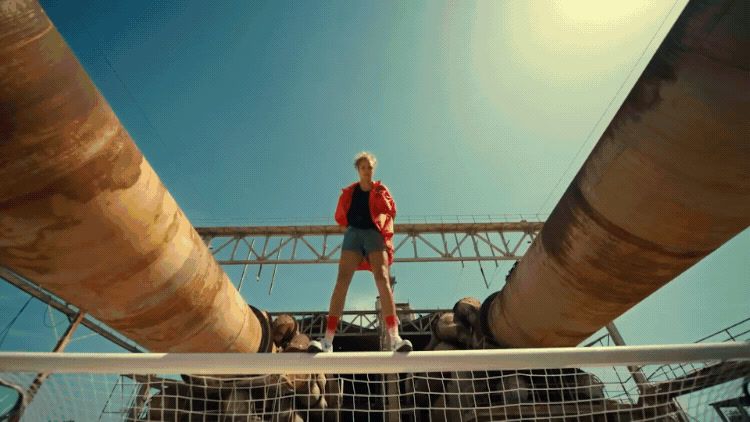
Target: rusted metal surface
column 83, row 214
column 667, row 184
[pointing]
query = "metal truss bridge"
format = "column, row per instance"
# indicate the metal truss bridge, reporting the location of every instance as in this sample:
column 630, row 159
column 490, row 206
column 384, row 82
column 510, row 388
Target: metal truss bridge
column 419, row 242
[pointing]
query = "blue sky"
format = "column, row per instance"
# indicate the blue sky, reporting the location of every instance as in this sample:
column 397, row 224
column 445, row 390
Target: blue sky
column 255, row 110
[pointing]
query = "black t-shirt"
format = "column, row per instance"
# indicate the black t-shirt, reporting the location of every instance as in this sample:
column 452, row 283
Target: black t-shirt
column 359, row 211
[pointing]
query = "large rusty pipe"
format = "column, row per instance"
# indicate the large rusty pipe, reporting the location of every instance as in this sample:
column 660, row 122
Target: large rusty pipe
column 83, row 214
column 667, row 184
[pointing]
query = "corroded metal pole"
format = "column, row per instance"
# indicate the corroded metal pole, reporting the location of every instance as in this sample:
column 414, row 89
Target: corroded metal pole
column 62, row 343
column 83, row 214
column 667, row 184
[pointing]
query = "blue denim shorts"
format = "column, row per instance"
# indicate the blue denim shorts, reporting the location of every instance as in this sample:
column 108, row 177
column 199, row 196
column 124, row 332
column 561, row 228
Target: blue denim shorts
column 362, row 240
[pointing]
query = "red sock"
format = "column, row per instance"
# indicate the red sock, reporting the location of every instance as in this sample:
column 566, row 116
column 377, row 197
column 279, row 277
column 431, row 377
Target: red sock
column 391, row 321
column 331, row 324
column 391, row 324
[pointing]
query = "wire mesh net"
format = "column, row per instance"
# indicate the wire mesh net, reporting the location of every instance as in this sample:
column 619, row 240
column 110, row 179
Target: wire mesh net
column 679, row 391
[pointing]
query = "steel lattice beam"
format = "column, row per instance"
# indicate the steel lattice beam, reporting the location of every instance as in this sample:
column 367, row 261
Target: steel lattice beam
column 65, row 308
column 360, row 323
column 427, row 242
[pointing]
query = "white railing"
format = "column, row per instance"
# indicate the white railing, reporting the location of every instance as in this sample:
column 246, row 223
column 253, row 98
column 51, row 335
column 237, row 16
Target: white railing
column 367, row 362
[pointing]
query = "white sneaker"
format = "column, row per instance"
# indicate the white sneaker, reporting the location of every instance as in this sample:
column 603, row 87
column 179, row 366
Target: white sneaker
column 400, row 345
column 321, row 345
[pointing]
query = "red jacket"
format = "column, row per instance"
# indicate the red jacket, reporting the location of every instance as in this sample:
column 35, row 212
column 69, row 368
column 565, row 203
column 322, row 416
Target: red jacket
column 382, row 212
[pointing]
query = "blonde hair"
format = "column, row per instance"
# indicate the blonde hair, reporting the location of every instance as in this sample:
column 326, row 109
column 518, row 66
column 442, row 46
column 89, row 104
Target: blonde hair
column 365, row 155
